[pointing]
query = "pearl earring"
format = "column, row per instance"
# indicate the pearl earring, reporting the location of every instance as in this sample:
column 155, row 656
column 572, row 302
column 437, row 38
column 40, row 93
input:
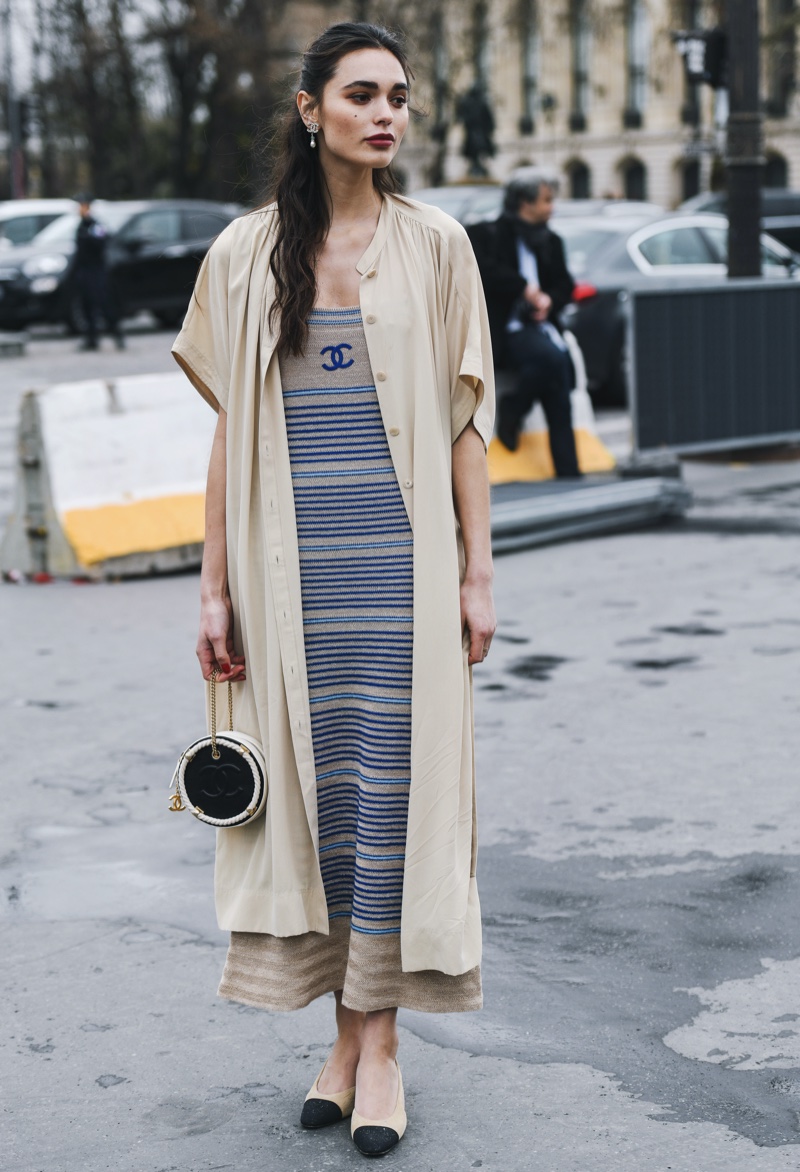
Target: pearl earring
column 312, row 128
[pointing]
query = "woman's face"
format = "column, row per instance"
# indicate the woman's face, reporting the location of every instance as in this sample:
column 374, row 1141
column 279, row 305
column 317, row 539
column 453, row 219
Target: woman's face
column 363, row 113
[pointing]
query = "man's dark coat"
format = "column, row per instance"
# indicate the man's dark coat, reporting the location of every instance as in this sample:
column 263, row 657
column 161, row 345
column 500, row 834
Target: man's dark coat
column 495, row 245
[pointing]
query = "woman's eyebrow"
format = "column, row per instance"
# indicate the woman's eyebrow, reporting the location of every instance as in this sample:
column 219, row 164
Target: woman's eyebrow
column 373, row 85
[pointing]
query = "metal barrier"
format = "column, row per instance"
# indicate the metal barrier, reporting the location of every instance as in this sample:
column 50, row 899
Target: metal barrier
column 715, row 366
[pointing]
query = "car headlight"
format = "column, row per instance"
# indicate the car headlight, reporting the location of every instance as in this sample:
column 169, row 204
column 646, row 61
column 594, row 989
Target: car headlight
column 44, row 285
column 45, row 266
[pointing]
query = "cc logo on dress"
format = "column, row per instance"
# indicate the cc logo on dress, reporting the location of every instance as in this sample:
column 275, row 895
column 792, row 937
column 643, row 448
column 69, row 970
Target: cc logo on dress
column 337, row 361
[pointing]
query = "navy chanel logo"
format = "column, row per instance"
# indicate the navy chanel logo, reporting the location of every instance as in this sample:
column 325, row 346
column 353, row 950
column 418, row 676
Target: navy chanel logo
column 337, row 357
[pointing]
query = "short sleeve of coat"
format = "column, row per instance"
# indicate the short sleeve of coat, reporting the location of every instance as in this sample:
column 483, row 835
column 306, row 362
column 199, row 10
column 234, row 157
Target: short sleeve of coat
column 202, row 348
column 472, row 393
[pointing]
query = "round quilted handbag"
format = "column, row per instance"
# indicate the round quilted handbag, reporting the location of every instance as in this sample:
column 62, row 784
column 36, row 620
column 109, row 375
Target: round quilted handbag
column 221, row 778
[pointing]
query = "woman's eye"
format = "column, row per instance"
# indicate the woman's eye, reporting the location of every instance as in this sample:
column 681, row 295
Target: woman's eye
column 361, row 98
column 400, row 100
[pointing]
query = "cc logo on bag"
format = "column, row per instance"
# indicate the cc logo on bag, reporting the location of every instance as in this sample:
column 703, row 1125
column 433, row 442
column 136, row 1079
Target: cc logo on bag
column 226, row 780
column 337, row 357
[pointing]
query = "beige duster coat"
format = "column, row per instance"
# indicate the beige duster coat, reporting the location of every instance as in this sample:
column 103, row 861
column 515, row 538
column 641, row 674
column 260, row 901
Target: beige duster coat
column 428, row 340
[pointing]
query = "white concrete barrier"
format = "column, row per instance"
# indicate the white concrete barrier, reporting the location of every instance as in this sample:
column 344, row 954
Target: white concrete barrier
column 110, row 478
column 532, row 459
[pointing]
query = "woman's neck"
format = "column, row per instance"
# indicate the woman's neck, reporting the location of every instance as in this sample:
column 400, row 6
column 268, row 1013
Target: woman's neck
column 351, row 192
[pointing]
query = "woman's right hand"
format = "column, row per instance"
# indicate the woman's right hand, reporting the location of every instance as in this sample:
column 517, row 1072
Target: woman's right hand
column 215, row 642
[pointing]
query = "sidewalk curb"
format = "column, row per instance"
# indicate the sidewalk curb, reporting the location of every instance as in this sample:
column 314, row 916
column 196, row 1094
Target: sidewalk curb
column 586, row 511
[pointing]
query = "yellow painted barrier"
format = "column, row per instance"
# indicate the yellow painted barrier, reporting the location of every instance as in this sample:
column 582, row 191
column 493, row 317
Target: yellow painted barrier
column 110, row 478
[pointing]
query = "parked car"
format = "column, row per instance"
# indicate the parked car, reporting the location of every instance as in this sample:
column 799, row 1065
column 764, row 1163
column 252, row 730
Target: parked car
column 154, row 251
column 780, row 211
column 610, row 257
column 22, row 219
column 471, row 203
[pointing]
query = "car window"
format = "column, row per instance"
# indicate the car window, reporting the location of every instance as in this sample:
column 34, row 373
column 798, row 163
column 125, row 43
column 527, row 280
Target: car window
column 773, row 261
column 203, row 225
column 62, row 230
column 583, row 244
column 677, row 246
column 21, row 229
column 159, row 226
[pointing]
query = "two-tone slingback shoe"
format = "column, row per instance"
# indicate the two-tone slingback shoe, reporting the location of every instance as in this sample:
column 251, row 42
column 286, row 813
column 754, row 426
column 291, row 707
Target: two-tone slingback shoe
column 321, row 1110
column 376, row 1137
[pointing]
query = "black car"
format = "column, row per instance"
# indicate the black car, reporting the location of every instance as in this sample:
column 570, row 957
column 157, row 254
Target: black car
column 155, row 248
column 780, row 211
column 610, row 257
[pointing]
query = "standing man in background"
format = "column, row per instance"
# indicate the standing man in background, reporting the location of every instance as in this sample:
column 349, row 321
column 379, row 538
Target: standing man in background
column 527, row 284
column 91, row 277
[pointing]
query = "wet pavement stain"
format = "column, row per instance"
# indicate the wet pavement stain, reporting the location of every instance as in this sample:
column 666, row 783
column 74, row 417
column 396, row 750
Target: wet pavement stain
column 47, row 704
column 536, row 667
column 41, row 1047
column 661, row 663
column 601, row 958
column 503, row 638
column 109, row 1080
column 699, row 630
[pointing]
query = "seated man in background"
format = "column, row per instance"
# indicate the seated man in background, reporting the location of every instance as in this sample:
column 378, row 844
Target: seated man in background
column 527, row 284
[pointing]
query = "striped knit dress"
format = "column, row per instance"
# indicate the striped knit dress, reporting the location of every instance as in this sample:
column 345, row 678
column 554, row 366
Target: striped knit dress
column 356, row 567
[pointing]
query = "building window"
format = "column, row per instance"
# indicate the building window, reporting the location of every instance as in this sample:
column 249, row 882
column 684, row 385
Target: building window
column 781, row 56
column 580, row 180
column 581, row 33
column 637, row 43
column 529, row 29
column 776, row 171
column 480, row 44
column 690, row 179
column 634, row 179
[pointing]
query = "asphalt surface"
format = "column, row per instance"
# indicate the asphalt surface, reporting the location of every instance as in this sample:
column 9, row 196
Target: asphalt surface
column 639, row 868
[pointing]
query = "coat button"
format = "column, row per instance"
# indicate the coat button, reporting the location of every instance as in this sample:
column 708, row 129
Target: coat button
column 394, row 431
column 381, row 376
column 371, row 318
column 372, row 272
column 408, row 483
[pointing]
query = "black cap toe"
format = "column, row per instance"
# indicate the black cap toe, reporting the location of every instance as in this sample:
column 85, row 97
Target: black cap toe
column 319, row 1113
column 375, row 1141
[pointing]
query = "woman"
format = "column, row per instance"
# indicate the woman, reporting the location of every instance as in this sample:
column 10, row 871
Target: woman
column 342, row 336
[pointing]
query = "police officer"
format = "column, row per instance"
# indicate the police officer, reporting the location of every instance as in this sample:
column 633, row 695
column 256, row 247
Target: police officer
column 91, row 277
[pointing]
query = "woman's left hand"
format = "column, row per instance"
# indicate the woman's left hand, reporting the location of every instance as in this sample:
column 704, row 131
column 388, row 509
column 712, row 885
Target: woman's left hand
column 478, row 617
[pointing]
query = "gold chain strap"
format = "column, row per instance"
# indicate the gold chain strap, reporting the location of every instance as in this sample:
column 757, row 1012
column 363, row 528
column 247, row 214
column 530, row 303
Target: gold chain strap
column 214, row 749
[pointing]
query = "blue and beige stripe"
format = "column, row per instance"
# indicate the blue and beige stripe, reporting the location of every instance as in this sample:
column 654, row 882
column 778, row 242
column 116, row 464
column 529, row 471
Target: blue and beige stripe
column 356, row 568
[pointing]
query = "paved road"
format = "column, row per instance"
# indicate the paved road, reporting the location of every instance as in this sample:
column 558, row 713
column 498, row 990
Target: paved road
column 640, row 875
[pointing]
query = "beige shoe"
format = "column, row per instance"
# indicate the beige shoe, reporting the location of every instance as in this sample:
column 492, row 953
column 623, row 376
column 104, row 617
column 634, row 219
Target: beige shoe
column 321, row 1110
column 376, row 1137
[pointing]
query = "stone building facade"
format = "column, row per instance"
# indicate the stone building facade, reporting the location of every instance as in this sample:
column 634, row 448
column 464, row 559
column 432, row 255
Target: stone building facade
column 594, row 89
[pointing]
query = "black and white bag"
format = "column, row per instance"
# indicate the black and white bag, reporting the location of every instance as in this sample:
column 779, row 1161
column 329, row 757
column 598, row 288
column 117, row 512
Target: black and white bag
column 221, row 778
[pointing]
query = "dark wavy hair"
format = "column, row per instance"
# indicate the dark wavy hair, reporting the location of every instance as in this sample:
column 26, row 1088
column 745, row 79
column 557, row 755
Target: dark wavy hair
column 298, row 182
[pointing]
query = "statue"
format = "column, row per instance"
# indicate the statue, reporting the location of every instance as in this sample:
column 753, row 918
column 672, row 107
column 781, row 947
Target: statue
column 475, row 112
